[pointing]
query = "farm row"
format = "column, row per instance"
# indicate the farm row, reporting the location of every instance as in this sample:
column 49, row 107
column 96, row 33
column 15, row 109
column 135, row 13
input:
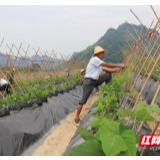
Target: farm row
column 39, row 89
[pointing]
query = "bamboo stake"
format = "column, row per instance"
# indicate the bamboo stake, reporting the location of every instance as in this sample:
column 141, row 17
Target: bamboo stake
column 10, row 74
column 51, row 64
column 23, row 78
column 18, row 62
column 153, row 48
column 28, row 59
column 145, row 40
column 43, row 59
column 141, row 81
column 25, row 60
column 153, row 101
column 46, row 63
column 32, row 61
column 2, row 42
column 20, row 53
column 144, row 86
column 130, row 91
column 139, row 72
column 154, row 12
column 57, row 60
column 143, row 25
column 39, row 76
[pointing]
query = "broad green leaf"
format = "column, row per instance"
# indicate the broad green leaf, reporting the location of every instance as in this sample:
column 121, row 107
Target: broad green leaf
column 86, row 134
column 141, row 105
column 84, row 131
column 89, row 148
column 143, row 115
column 153, row 108
column 95, row 122
column 126, row 111
column 108, row 126
column 123, row 127
column 129, row 113
column 104, row 121
column 111, row 126
column 112, row 143
column 88, row 137
column 100, row 106
column 130, row 139
column 100, row 131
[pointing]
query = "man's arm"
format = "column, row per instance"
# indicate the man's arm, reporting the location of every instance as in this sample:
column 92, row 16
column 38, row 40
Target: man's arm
column 111, row 70
column 104, row 64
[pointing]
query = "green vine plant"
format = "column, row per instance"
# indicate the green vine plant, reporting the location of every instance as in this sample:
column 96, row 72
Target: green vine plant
column 113, row 137
column 38, row 90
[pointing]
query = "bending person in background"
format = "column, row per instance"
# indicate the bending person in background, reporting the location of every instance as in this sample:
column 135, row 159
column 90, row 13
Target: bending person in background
column 93, row 78
column 4, row 85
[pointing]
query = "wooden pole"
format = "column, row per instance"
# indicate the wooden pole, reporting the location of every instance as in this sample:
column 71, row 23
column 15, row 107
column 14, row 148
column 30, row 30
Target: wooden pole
column 153, row 101
column 144, row 86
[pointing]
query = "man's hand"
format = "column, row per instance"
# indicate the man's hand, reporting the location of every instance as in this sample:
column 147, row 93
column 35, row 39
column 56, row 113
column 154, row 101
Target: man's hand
column 123, row 66
column 118, row 71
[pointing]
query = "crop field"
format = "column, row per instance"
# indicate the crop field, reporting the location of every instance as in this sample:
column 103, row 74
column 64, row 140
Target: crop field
column 38, row 76
column 129, row 103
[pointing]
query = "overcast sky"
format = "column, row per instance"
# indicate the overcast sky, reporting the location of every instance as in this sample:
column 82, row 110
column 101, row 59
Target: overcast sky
column 64, row 29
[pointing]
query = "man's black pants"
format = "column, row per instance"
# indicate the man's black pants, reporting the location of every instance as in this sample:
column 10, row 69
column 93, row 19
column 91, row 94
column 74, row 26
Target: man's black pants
column 5, row 87
column 89, row 84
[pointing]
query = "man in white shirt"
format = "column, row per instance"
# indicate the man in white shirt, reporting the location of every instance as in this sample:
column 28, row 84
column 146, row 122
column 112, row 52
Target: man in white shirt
column 93, row 78
column 4, row 85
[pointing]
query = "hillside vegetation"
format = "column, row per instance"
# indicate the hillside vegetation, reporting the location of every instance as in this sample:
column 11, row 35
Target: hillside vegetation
column 113, row 40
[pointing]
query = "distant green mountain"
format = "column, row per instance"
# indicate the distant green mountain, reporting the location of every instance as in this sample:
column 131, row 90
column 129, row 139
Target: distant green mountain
column 113, row 40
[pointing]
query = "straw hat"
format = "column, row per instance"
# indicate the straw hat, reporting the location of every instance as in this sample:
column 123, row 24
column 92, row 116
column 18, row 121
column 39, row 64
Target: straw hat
column 82, row 70
column 99, row 49
column 13, row 69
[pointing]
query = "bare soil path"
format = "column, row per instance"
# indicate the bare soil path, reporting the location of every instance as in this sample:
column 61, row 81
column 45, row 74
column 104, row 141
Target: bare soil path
column 56, row 143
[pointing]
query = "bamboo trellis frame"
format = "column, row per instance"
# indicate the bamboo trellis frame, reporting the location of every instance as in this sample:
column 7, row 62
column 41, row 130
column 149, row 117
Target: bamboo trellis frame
column 24, row 65
column 135, row 60
column 143, row 50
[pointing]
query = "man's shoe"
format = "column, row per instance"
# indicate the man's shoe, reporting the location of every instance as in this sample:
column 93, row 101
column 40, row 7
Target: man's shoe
column 77, row 120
